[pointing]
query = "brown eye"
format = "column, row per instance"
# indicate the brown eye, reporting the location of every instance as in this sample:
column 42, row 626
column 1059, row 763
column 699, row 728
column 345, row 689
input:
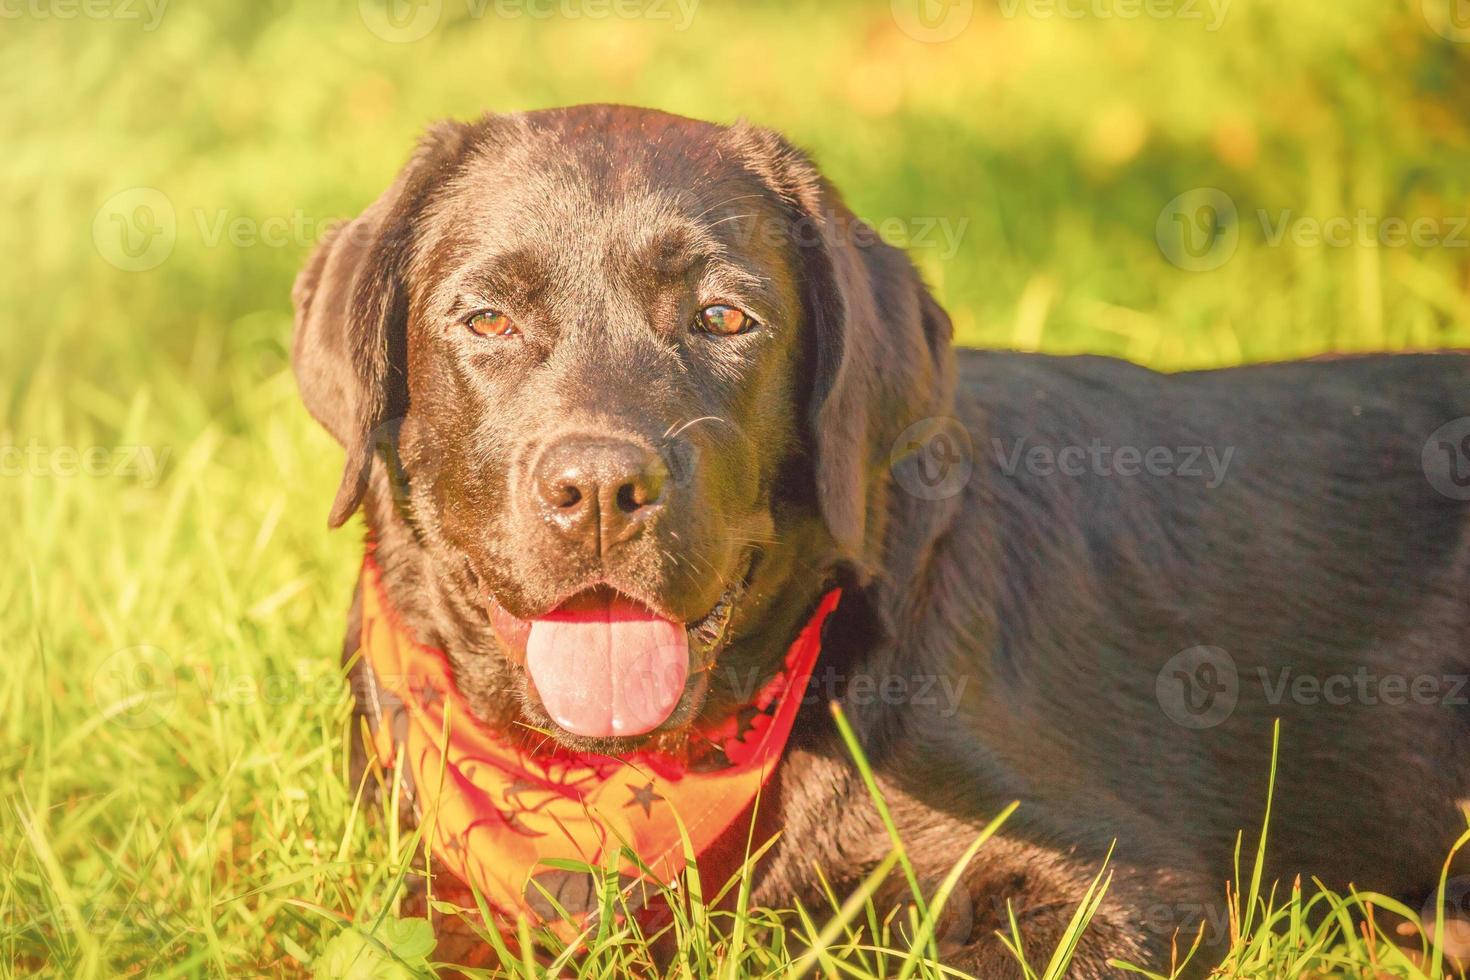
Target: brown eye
column 489, row 323
column 724, row 321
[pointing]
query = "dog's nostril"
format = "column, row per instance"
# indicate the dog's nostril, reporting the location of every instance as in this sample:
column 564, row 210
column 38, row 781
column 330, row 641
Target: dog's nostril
column 566, row 497
column 639, row 493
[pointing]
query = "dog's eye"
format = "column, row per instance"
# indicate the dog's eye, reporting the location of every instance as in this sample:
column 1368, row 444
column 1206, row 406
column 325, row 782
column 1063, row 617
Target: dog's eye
column 490, row 323
column 724, row 321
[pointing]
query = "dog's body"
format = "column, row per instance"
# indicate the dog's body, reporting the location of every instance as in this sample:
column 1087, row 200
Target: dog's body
column 1323, row 553
column 1022, row 625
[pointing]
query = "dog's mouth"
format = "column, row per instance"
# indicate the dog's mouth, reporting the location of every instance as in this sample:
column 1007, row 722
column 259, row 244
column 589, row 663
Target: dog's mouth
column 605, row 665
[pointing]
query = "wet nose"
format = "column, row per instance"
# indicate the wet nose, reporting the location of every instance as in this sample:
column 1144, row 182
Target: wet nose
column 599, row 492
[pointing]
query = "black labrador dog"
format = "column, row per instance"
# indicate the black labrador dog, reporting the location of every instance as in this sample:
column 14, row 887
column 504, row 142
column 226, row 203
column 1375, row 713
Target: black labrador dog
column 610, row 348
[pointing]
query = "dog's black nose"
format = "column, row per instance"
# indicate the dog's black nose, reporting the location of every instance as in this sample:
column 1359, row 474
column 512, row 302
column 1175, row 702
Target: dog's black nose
column 599, row 491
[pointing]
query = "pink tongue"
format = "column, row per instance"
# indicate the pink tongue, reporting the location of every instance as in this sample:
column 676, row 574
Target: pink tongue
column 605, row 665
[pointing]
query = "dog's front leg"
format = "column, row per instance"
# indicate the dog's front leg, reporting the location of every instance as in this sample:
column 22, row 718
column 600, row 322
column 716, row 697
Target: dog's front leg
column 844, row 837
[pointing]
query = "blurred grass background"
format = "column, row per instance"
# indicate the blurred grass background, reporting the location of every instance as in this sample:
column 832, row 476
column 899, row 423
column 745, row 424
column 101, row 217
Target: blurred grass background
column 171, row 729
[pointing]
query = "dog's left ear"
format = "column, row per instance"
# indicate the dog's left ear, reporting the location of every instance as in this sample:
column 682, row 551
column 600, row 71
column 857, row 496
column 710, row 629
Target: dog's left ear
column 878, row 344
column 351, row 300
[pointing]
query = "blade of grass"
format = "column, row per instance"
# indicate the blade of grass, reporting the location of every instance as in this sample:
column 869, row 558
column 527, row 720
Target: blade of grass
column 849, row 910
column 1260, row 865
column 946, row 887
column 849, row 737
column 1061, row 957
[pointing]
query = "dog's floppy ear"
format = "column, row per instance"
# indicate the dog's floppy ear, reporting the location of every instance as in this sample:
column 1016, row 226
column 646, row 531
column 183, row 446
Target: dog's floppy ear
column 351, row 304
column 878, row 344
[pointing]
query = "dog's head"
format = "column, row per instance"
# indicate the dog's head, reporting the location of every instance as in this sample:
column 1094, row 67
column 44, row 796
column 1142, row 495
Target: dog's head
column 636, row 378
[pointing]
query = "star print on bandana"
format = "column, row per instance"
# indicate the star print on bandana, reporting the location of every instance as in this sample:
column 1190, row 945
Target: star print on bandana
column 643, row 796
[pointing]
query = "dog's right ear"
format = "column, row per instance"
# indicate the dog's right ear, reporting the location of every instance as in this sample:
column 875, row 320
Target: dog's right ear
column 880, row 356
column 351, row 299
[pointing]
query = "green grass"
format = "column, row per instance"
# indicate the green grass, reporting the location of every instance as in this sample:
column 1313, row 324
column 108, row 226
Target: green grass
column 173, row 797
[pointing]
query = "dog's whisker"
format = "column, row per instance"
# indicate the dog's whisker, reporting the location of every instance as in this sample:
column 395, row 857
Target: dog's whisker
column 683, row 567
column 672, row 433
column 728, row 200
column 752, row 539
column 733, row 217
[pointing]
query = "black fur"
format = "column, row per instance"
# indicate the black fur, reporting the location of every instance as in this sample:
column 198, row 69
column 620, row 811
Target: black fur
column 1023, row 620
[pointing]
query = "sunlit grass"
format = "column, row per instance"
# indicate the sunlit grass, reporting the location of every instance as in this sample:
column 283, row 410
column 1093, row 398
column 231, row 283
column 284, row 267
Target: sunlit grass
column 174, row 797
column 175, row 755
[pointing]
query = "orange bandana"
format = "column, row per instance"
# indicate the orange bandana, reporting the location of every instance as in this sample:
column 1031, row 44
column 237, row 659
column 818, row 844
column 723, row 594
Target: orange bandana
column 499, row 812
